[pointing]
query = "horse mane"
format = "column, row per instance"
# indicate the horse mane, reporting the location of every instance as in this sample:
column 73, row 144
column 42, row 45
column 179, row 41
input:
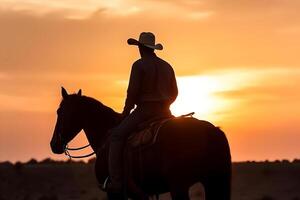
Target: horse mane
column 93, row 104
column 98, row 104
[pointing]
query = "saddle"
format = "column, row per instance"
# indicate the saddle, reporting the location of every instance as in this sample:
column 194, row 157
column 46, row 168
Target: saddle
column 147, row 132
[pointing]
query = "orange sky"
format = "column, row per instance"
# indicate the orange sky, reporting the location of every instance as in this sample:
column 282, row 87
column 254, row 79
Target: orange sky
column 242, row 55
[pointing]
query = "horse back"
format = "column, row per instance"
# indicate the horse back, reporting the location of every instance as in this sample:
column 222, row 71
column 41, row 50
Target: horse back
column 190, row 139
column 185, row 147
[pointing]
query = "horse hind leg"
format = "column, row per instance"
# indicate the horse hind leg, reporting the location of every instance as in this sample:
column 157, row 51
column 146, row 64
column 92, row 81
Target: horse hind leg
column 180, row 193
column 178, row 186
column 218, row 187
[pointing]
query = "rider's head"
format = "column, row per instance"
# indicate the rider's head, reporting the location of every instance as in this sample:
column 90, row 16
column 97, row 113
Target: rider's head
column 146, row 43
column 145, row 50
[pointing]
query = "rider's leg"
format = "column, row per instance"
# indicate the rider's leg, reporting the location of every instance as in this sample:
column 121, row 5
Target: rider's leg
column 121, row 133
column 118, row 139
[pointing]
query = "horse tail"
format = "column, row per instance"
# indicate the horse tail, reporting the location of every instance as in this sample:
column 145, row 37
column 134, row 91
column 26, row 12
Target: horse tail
column 227, row 165
column 218, row 184
column 225, row 148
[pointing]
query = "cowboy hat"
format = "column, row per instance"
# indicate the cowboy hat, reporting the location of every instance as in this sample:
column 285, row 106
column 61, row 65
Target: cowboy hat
column 146, row 39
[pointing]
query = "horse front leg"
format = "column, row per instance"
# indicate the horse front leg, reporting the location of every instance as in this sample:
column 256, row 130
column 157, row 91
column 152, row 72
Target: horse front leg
column 116, row 196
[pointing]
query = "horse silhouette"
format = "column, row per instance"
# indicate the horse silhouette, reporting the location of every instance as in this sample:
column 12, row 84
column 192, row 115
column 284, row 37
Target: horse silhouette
column 187, row 151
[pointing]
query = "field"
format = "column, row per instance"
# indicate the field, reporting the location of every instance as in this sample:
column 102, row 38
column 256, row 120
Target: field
column 49, row 180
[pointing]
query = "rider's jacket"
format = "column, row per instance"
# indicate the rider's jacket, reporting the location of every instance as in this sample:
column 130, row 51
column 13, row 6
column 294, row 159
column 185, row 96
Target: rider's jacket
column 151, row 80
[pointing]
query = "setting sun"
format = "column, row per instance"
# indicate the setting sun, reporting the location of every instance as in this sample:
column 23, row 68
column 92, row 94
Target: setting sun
column 196, row 95
column 202, row 94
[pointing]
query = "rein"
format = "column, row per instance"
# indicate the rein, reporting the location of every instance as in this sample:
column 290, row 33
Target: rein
column 79, row 148
column 67, row 153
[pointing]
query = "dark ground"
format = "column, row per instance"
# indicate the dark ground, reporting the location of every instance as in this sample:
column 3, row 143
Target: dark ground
column 50, row 180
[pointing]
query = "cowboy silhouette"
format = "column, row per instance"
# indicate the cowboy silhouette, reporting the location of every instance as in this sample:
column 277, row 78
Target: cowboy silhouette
column 152, row 89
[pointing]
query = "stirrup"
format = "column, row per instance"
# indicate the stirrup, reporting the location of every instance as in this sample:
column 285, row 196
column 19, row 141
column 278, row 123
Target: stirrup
column 104, row 186
column 107, row 187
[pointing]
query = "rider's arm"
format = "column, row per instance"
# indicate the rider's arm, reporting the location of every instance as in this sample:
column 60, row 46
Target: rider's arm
column 133, row 88
column 174, row 90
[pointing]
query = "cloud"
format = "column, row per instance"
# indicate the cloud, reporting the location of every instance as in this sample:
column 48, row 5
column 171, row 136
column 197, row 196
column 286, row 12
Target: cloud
column 70, row 9
column 209, row 34
column 200, row 15
column 39, row 53
column 49, row 50
column 271, row 87
column 82, row 44
column 27, row 92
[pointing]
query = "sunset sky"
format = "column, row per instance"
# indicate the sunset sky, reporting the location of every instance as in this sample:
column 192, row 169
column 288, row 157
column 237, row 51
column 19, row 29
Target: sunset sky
column 237, row 65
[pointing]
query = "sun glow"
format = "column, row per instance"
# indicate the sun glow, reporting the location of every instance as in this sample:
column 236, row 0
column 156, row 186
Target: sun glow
column 197, row 94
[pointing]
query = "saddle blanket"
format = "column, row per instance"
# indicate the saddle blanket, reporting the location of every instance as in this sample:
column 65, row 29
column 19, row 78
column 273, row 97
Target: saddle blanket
column 147, row 135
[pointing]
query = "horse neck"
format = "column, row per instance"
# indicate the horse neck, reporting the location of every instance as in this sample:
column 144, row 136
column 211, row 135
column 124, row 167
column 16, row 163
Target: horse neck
column 98, row 119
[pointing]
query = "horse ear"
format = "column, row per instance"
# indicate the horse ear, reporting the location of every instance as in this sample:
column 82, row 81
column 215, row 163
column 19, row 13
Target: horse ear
column 64, row 92
column 79, row 92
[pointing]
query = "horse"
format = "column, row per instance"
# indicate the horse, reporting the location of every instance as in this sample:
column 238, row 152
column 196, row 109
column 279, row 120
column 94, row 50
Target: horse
column 187, row 151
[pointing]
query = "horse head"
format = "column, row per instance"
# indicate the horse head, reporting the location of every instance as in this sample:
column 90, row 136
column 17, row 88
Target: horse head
column 69, row 121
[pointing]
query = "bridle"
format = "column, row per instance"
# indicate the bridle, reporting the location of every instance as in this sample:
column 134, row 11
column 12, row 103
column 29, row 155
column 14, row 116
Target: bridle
column 67, row 149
